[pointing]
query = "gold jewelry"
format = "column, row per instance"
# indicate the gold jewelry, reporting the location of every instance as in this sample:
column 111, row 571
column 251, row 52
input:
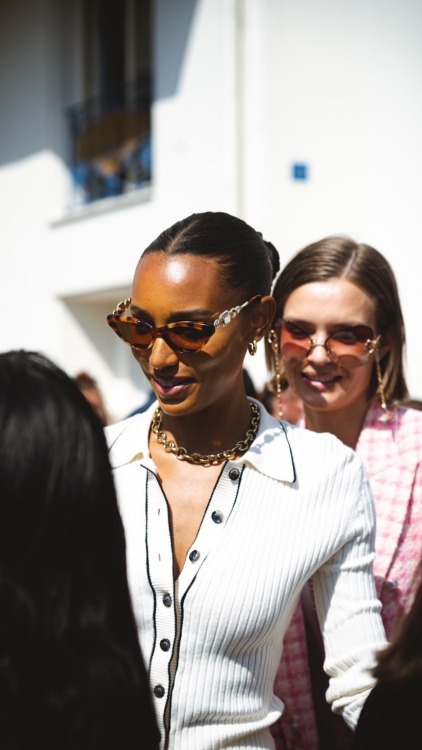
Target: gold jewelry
column 212, row 459
column 387, row 413
column 273, row 340
column 252, row 347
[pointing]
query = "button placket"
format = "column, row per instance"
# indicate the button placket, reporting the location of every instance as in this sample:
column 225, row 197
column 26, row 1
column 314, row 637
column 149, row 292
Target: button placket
column 161, row 576
column 216, row 516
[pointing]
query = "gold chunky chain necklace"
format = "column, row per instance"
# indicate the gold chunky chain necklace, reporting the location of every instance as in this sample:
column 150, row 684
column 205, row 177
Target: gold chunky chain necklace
column 211, row 459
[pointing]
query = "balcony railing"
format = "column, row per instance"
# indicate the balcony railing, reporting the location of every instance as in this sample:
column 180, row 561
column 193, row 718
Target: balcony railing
column 110, row 139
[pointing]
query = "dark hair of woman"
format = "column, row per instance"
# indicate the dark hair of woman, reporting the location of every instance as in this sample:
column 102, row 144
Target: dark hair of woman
column 402, row 659
column 247, row 261
column 71, row 672
column 340, row 257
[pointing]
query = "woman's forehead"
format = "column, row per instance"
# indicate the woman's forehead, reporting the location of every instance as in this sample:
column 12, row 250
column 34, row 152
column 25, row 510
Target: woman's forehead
column 180, row 281
column 176, row 269
column 327, row 301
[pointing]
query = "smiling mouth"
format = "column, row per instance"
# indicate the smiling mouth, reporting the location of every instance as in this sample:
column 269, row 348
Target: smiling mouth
column 322, row 380
column 169, row 386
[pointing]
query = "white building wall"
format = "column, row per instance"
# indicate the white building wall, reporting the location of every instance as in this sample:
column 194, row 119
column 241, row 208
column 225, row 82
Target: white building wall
column 338, row 86
column 243, row 89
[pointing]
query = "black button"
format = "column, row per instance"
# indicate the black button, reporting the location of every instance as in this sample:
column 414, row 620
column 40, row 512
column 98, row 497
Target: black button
column 217, row 516
column 234, row 473
column 165, row 644
column 194, row 555
column 159, row 691
column 167, row 600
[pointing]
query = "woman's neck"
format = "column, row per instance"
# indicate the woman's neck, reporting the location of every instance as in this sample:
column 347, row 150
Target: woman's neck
column 211, row 430
column 346, row 424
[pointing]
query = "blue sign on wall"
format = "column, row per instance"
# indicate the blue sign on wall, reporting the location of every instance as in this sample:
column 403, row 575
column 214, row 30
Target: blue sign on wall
column 300, row 171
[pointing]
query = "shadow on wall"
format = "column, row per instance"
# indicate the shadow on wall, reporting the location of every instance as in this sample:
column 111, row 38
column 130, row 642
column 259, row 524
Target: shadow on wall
column 32, row 42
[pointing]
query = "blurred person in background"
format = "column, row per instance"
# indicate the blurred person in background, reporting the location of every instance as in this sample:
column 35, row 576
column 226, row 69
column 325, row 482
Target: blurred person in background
column 91, row 390
column 338, row 342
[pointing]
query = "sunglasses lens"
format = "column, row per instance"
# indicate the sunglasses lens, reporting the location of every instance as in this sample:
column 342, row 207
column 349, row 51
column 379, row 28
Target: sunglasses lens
column 183, row 337
column 187, row 336
column 352, row 346
column 138, row 335
column 294, row 342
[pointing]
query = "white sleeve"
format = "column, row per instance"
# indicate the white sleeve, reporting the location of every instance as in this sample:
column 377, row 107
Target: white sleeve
column 346, row 600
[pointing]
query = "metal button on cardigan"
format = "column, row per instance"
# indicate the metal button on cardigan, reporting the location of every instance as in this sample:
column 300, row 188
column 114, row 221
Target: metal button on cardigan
column 389, row 585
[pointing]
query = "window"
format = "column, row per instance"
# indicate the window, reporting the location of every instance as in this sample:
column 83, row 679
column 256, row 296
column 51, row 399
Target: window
column 110, row 126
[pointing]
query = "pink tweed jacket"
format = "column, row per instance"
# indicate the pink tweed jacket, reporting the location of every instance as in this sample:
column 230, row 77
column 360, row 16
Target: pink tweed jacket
column 392, row 454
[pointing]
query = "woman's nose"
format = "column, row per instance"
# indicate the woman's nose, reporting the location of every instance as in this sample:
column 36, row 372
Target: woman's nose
column 161, row 354
column 319, row 352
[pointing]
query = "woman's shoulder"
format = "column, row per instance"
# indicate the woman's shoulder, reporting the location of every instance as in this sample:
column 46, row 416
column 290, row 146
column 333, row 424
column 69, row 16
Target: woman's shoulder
column 403, row 425
column 128, row 438
column 408, row 422
column 324, row 441
column 323, row 454
column 116, row 429
column 409, row 415
column 285, row 451
column 398, row 414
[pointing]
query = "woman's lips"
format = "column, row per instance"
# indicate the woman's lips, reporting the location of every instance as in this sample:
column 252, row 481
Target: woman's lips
column 169, row 387
column 320, row 383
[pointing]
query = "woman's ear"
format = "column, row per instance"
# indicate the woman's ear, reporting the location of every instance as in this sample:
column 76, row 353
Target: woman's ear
column 262, row 316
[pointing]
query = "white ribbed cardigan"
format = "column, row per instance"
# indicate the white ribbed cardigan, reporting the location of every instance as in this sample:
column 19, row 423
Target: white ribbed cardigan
column 296, row 505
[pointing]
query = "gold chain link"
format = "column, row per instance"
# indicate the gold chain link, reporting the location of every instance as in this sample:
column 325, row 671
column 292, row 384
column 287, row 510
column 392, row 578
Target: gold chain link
column 211, row 459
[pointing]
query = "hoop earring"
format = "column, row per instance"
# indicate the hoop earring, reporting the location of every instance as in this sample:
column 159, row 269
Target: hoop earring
column 273, row 340
column 252, row 347
column 387, row 414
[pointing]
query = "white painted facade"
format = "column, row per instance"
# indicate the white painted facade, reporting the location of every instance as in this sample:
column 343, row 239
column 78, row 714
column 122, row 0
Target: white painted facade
column 243, row 89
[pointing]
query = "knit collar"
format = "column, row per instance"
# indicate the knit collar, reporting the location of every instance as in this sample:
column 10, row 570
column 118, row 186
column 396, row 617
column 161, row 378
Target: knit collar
column 269, row 453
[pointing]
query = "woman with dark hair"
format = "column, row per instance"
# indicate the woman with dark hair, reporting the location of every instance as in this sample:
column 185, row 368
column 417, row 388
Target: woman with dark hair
column 338, row 341
column 390, row 717
column 72, row 675
column 227, row 511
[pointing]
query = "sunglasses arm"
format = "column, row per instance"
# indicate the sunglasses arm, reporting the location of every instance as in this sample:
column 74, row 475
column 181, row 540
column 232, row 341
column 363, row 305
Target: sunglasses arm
column 122, row 306
column 373, row 345
column 227, row 316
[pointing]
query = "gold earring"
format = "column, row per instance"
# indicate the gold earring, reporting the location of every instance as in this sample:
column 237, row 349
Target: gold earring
column 252, row 347
column 273, row 340
column 387, row 413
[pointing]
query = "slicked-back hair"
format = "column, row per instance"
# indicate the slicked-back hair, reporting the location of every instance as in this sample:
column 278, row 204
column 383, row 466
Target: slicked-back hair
column 72, row 675
column 247, row 261
column 340, row 257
